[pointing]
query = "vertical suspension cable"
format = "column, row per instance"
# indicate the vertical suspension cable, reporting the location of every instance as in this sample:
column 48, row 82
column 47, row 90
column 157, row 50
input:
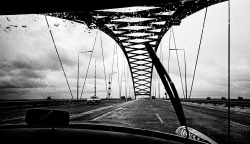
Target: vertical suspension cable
column 89, row 63
column 111, row 74
column 198, row 52
column 104, row 65
column 178, row 63
column 161, row 57
column 169, row 47
column 59, row 57
column 155, row 82
column 95, row 78
column 162, row 62
column 125, row 78
column 112, row 65
column 122, row 72
column 228, row 71
column 128, row 78
column 118, row 72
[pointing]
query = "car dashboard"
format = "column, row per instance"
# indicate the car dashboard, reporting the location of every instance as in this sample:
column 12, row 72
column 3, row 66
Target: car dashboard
column 86, row 133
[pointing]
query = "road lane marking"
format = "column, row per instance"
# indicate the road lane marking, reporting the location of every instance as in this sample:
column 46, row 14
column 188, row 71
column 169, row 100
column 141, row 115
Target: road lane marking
column 18, row 118
column 72, row 116
column 149, row 104
column 159, row 118
column 89, row 112
column 113, row 110
column 240, row 124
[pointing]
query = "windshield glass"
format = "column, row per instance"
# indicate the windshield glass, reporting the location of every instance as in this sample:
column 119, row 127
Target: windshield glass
column 55, row 63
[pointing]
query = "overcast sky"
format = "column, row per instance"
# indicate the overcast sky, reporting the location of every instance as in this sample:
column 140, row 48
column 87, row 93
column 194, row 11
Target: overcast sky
column 30, row 67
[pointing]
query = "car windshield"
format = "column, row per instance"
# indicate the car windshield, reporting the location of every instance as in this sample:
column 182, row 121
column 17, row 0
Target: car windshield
column 59, row 60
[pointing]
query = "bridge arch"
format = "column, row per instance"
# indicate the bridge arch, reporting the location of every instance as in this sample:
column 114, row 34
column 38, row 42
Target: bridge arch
column 132, row 27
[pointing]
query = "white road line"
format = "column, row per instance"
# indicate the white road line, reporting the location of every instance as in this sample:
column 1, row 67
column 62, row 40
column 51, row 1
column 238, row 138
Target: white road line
column 149, row 104
column 72, row 116
column 13, row 119
column 159, row 118
column 240, row 124
column 89, row 112
column 112, row 111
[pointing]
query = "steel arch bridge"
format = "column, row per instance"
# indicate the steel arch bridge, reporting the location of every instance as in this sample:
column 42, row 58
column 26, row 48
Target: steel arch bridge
column 137, row 26
column 132, row 27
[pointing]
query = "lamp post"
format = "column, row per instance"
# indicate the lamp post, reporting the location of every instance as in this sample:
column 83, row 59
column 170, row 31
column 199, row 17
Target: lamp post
column 185, row 69
column 78, row 72
column 109, row 89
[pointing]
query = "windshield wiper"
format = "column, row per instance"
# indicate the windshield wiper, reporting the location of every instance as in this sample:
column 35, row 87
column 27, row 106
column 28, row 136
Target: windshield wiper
column 169, row 86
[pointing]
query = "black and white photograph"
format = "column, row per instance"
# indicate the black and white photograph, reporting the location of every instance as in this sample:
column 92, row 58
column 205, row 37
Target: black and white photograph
column 129, row 71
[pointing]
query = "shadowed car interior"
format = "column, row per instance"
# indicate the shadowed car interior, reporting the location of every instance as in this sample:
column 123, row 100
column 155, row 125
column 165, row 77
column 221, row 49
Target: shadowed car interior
column 53, row 126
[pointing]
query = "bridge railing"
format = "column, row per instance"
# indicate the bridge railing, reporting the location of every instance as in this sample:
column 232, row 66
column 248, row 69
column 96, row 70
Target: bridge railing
column 233, row 102
column 35, row 103
column 41, row 102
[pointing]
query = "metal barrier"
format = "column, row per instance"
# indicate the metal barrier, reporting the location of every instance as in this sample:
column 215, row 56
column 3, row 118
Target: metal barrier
column 35, row 103
column 233, row 102
column 41, row 102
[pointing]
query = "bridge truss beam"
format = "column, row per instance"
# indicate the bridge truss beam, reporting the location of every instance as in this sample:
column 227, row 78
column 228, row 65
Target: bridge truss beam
column 133, row 27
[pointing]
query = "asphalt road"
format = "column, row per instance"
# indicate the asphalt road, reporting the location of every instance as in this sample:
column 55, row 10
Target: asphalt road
column 150, row 114
column 159, row 115
column 75, row 110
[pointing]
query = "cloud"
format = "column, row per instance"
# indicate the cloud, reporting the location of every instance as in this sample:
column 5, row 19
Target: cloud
column 28, row 57
column 25, row 71
column 4, row 83
column 28, row 73
column 21, row 81
column 24, row 62
column 3, row 73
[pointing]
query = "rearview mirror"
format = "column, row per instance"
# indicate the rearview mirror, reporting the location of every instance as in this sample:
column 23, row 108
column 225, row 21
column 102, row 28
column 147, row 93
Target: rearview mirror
column 45, row 117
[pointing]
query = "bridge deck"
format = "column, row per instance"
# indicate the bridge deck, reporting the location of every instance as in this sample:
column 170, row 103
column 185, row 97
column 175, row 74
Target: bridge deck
column 152, row 114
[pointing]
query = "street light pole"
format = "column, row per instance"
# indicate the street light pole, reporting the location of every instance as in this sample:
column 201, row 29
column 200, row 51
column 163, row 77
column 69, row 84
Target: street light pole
column 110, row 79
column 78, row 73
column 185, row 69
column 185, row 72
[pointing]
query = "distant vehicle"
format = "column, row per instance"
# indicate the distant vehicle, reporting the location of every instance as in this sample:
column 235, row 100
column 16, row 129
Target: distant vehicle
column 129, row 98
column 123, row 98
column 93, row 100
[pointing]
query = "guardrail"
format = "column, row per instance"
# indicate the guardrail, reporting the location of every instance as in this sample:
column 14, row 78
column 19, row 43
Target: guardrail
column 41, row 102
column 35, row 103
column 233, row 102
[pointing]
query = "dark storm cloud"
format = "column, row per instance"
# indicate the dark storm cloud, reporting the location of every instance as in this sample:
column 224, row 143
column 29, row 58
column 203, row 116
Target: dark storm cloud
column 21, row 78
column 47, row 61
column 42, row 62
column 28, row 83
column 21, row 82
column 2, row 73
column 7, row 84
column 7, row 92
column 67, row 57
column 28, row 73
column 5, row 67
column 23, row 72
column 19, row 64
